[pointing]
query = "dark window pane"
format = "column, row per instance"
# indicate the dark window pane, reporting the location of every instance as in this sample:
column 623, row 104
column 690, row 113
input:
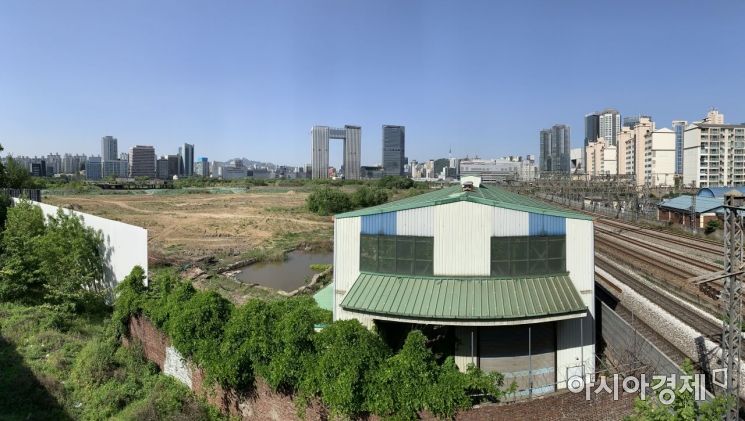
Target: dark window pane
column 404, row 267
column 519, row 248
column 387, row 265
column 424, row 248
column 387, row 247
column 369, row 253
column 500, row 268
column 422, row 267
column 500, row 248
column 556, row 247
column 537, row 267
column 555, row 265
column 519, row 268
column 405, row 248
column 537, row 248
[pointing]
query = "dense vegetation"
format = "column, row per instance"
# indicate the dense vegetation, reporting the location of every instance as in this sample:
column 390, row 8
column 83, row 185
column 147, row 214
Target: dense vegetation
column 345, row 365
column 328, row 201
column 60, row 356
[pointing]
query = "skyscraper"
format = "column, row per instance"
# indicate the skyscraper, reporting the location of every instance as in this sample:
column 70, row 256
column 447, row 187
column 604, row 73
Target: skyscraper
column 555, row 149
column 142, row 161
column 605, row 124
column 679, row 127
column 188, row 159
column 394, row 141
column 109, row 150
column 352, row 137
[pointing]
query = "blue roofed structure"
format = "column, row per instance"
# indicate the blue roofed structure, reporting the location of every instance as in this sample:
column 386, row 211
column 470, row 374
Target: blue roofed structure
column 703, row 204
column 718, row 192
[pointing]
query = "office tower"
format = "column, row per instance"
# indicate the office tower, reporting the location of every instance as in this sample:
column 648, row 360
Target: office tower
column 188, row 157
column 394, row 141
column 202, row 167
column 93, row 168
column 352, row 137
column 605, row 124
column 679, row 127
column 173, row 165
column 555, row 149
column 142, row 161
column 109, row 150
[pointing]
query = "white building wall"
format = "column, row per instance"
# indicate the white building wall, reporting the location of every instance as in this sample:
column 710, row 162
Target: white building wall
column 125, row 245
column 580, row 261
column 691, row 156
column 462, row 240
column 347, row 265
column 508, row 222
column 418, row 222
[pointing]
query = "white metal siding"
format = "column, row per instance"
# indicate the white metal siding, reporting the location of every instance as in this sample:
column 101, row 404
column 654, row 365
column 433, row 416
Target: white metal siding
column 419, row 222
column 462, row 239
column 508, row 222
column 346, row 259
column 581, row 267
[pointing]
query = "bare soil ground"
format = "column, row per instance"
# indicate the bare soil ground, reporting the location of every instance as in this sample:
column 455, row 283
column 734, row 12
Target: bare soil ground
column 184, row 227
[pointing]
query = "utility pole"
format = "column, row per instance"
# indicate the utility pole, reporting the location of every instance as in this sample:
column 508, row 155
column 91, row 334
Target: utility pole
column 732, row 324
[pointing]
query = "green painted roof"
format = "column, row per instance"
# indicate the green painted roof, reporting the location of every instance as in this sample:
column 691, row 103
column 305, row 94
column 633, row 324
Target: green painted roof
column 325, row 297
column 449, row 298
column 492, row 196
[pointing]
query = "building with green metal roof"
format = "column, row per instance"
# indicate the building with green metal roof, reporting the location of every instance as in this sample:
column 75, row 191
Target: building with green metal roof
column 495, row 279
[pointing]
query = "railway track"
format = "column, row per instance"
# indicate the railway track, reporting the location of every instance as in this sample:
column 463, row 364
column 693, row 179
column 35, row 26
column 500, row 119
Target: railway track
column 677, row 256
column 707, row 328
column 700, row 244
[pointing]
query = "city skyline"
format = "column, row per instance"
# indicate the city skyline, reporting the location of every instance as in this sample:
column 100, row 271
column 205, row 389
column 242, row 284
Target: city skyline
column 467, row 76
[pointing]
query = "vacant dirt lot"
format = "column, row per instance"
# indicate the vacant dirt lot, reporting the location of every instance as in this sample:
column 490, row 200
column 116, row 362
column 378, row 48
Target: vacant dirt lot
column 185, row 226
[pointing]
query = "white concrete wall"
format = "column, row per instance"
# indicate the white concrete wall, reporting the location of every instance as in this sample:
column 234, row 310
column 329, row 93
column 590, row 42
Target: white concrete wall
column 691, row 156
column 462, row 239
column 125, row 246
column 580, row 261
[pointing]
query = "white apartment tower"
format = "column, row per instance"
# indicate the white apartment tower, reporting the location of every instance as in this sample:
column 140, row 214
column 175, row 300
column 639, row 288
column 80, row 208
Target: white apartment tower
column 714, row 153
column 659, row 158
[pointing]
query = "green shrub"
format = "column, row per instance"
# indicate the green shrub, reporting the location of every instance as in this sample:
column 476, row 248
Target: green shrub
column 197, row 328
column 347, row 357
column 395, row 182
column 365, row 197
column 712, row 226
column 328, row 201
column 320, row 267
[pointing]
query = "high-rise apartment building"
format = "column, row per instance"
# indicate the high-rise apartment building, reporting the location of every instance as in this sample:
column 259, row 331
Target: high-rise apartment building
column 109, row 149
column 714, row 155
column 600, row 158
column 634, row 149
column 679, row 127
column 555, row 149
column 605, row 124
column 142, row 161
column 352, row 137
column 188, row 157
column 93, row 168
column 659, row 158
column 713, row 117
column 394, row 142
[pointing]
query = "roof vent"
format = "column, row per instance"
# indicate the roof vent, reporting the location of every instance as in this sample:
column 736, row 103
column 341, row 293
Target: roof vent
column 467, row 186
column 473, row 181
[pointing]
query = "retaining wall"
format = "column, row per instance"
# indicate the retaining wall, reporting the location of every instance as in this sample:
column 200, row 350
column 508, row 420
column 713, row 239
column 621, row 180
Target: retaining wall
column 264, row 404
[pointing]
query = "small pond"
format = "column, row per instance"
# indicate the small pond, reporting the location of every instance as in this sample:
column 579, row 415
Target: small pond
column 288, row 275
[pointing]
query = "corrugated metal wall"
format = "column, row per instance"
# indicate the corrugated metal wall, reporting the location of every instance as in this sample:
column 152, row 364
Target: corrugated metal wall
column 418, row 222
column 547, row 225
column 462, row 234
column 346, row 259
column 508, row 222
column 581, row 267
column 379, row 224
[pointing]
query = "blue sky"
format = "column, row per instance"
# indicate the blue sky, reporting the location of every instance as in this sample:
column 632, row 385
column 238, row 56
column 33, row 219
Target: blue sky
column 249, row 78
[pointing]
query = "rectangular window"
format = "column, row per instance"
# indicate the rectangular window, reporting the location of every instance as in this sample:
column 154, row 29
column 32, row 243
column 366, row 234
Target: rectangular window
column 396, row 254
column 528, row 255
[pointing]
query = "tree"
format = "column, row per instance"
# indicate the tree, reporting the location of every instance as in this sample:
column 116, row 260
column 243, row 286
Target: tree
column 395, row 182
column 21, row 278
column 17, row 176
column 328, row 201
column 365, row 197
column 71, row 261
column 2, row 171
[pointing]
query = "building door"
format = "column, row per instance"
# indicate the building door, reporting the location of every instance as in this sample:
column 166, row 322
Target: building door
column 521, row 354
